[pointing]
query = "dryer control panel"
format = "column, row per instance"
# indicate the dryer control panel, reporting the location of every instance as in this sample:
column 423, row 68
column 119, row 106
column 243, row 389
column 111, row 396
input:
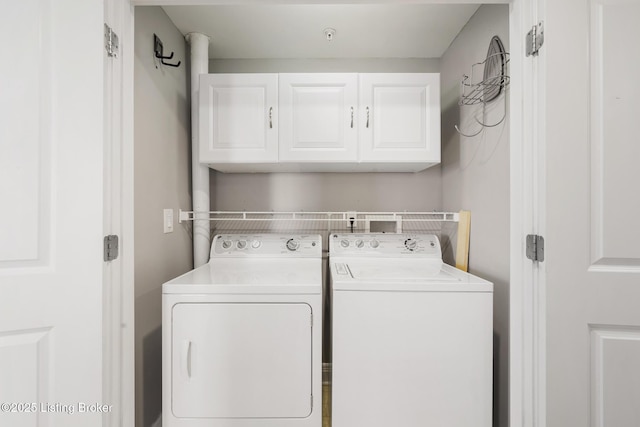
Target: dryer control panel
column 266, row 245
column 385, row 245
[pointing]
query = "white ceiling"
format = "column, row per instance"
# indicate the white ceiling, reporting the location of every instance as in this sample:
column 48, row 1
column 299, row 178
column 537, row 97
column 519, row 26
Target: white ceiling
column 297, row 31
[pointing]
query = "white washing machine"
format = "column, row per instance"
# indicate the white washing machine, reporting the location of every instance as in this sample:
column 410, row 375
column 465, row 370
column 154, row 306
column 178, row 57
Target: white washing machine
column 242, row 335
column 412, row 336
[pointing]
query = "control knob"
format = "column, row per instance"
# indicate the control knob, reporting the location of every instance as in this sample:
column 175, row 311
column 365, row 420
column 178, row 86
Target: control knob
column 241, row 244
column 344, row 243
column 410, row 244
column 293, row 244
column 359, row 243
column 226, row 244
column 256, row 244
column 374, row 243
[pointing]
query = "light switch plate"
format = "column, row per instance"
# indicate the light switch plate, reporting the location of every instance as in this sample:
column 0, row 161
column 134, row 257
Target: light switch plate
column 168, row 220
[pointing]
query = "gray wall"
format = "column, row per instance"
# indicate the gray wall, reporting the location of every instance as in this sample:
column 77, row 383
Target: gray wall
column 162, row 174
column 475, row 176
column 338, row 65
column 326, row 191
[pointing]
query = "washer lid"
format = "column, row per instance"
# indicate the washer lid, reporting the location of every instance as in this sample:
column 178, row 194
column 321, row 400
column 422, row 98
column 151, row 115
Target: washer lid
column 403, row 275
column 250, row 276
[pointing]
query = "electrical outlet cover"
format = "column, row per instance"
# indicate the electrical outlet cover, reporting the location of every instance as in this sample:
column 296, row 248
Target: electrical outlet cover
column 354, row 215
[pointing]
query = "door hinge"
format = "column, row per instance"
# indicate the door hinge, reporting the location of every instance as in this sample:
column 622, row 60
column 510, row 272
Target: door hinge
column 110, row 41
column 535, row 247
column 110, row 247
column 535, row 39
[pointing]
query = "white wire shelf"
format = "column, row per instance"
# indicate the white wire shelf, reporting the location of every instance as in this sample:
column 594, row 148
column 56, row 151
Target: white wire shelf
column 318, row 217
column 442, row 224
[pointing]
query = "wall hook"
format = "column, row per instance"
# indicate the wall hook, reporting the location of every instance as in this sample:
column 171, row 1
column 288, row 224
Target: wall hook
column 159, row 53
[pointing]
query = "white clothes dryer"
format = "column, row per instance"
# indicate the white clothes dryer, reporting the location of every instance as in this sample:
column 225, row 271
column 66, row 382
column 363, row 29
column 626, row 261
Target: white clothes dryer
column 412, row 336
column 242, row 335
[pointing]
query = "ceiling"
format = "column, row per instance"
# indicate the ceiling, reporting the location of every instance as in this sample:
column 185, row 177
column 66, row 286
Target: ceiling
column 297, row 31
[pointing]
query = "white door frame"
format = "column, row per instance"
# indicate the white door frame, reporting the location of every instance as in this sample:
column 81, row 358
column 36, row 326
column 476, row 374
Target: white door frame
column 526, row 359
column 118, row 275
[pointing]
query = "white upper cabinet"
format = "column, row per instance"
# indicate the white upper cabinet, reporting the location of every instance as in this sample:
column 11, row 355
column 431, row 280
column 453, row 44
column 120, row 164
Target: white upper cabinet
column 238, row 119
column 400, row 118
column 320, row 122
column 318, row 117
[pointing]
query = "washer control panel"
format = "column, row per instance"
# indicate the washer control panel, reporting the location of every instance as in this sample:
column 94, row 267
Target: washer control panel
column 266, row 245
column 377, row 244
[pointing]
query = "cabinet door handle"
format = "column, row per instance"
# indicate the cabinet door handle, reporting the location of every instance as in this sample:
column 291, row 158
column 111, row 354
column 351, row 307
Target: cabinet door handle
column 351, row 117
column 367, row 117
column 186, row 358
column 270, row 117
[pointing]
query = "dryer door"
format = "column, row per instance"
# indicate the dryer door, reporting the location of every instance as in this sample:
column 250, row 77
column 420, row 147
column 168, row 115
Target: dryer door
column 241, row 360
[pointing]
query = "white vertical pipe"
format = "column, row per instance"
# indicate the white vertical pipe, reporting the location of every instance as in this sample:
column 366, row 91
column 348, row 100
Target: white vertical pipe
column 199, row 44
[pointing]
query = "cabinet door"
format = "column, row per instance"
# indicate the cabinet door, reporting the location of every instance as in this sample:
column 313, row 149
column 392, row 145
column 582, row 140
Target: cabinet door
column 238, row 118
column 400, row 117
column 241, row 360
column 318, row 117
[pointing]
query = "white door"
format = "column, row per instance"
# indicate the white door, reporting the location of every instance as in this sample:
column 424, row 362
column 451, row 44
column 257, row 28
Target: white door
column 591, row 62
column 51, row 221
column 238, row 118
column 318, row 117
column 235, row 360
column 400, row 117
